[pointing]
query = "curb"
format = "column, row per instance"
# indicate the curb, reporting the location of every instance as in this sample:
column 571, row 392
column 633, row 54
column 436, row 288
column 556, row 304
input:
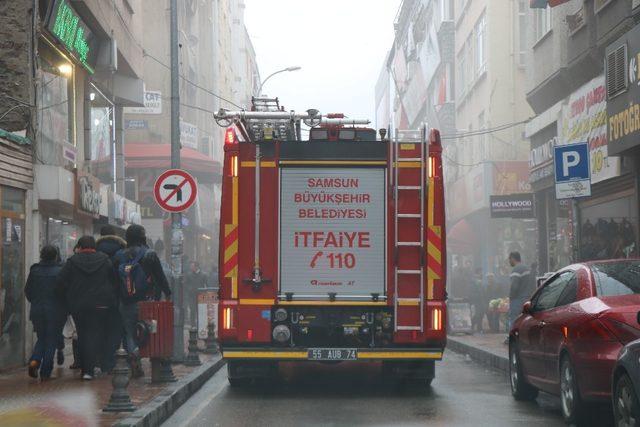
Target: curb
column 480, row 355
column 171, row 398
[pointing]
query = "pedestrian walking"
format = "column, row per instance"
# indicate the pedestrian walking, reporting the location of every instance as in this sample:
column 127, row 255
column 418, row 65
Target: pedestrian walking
column 140, row 278
column 522, row 286
column 110, row 243
column 194, row 280
column 87, row 282
column 47, row 311
column 479, row 301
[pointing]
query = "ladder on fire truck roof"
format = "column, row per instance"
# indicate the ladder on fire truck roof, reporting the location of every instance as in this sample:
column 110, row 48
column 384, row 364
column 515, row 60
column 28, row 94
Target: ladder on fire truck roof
column 397, row 161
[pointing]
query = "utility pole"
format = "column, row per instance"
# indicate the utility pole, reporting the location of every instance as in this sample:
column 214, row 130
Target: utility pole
column 176, row 218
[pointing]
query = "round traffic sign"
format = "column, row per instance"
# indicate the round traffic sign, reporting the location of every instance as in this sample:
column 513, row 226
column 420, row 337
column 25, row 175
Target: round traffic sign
column 175, row 190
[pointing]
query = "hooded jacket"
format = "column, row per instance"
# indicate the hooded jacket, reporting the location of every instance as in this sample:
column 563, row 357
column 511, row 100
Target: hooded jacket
column 110, row 245
column 87, row 281
column 40, row 291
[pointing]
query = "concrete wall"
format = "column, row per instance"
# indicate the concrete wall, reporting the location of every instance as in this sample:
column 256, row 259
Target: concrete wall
column 15, row 64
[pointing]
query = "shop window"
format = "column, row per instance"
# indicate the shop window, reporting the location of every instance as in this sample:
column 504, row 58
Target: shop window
column 61, row 234
column 102, row 137
column 56, row 107
column 609, row 230
column 12, row 313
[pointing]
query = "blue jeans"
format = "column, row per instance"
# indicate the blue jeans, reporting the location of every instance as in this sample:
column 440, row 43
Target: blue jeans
column 48, row 329
column 129, row 313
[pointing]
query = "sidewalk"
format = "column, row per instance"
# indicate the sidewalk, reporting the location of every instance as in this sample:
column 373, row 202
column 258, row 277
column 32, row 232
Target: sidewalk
column 487, row 349
column 71, row 401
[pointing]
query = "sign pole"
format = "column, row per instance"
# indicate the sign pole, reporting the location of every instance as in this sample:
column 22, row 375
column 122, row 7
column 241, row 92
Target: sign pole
column 176, row 217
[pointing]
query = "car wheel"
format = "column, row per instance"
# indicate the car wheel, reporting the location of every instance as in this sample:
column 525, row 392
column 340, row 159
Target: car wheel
column 572, row 406
column 625, row 403
column 520, row 388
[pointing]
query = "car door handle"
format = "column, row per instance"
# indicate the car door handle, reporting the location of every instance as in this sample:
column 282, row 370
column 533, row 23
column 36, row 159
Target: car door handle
column 542, row 324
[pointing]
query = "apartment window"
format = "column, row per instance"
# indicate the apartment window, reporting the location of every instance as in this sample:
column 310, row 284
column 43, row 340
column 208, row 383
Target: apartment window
column 481, row 137
column 522, row 32
column 542, row 22
column 461, row 78
column 481, row 45
column 470, row 68
column 446, row 10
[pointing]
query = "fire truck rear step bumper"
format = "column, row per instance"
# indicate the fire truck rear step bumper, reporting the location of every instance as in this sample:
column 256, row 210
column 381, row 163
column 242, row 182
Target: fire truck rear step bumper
column 364, row 354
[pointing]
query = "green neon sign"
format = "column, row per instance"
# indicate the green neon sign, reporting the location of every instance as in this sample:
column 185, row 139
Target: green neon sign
column 74, row 34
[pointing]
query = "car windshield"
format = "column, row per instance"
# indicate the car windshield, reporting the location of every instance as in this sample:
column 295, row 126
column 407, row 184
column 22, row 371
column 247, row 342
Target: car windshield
column 617, row 278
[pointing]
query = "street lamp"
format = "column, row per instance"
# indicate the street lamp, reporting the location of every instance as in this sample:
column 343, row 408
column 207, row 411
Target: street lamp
column 296, row 68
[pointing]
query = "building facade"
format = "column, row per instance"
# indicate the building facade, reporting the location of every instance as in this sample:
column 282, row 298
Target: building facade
column 573, row 101
column 72, row 67
column 217, row 70
column 486, row 156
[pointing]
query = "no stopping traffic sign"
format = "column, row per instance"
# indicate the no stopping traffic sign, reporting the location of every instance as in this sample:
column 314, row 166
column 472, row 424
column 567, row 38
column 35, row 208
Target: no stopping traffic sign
column 175, row 190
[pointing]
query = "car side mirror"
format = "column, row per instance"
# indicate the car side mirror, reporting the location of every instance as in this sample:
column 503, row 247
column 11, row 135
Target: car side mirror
column 526, row 307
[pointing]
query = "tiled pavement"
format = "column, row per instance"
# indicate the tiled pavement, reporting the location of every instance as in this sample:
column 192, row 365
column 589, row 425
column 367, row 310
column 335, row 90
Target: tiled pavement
column 68, row 399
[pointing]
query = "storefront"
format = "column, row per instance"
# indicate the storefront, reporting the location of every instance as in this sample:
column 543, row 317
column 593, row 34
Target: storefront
column 608, row 219
column 15, row 181
column 555, row 218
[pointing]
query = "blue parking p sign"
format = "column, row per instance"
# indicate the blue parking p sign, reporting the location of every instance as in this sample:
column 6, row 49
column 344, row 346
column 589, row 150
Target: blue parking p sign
column 572, row 167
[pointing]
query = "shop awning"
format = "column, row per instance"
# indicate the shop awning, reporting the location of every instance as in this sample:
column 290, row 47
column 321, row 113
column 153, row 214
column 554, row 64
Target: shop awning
column 158, row 156
column 461, row 239
column 542, row 4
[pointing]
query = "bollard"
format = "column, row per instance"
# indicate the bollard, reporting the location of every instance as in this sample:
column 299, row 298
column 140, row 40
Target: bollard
column 211, row 346
column 192, row 358
column 120, row 400
column 161, row 371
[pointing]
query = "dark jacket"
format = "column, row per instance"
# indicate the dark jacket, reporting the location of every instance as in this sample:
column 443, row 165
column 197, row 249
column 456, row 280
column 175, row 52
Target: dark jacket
column 110, row 245
column 522, row 283
column 194, row 281
column 150, row 264
column 87, row 281
column 40, row 291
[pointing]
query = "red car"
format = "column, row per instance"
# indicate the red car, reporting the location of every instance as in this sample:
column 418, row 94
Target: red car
column 567, row 339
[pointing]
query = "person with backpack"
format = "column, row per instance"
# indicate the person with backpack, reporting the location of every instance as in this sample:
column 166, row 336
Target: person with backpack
column 47, row 311
column 88, row 284
column 110, row 243
column 140, row 278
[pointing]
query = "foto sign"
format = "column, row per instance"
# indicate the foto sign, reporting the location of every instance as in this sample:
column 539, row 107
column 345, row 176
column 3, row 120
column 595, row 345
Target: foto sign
column 572, row 168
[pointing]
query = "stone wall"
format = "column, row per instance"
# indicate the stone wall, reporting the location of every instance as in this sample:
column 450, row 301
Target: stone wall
column 15, row 64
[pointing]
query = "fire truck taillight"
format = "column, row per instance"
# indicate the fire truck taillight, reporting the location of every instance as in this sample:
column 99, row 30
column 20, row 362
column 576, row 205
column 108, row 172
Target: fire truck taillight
column 436, row 319
column 432, row 166
column 230, row 137
column 228, row 318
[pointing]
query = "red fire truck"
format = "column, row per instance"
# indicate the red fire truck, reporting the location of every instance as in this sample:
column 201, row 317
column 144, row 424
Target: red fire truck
column 332, row 247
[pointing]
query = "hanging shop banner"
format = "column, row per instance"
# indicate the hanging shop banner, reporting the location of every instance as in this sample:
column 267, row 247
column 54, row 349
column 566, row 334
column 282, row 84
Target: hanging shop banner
column 512, row 206
column 584, row 118
column 76, row 37
column 188, row 135
column 89, row 197
column 152, row 105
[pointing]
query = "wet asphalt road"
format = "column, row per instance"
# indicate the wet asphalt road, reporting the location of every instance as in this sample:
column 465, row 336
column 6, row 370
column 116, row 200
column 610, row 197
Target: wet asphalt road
column 463, row 394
